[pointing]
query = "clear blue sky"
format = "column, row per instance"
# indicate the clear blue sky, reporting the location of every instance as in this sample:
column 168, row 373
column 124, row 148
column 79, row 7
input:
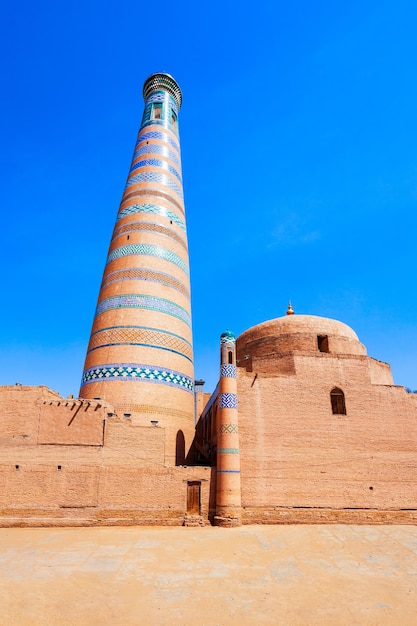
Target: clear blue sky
column 299, row 145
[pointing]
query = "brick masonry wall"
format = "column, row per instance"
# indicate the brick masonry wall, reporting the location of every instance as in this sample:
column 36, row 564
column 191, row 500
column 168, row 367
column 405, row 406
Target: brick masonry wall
column 87, row 495
column 299, row 462
column 81, row 473
column 20, row 408
column 295, row 454
column 71, row 422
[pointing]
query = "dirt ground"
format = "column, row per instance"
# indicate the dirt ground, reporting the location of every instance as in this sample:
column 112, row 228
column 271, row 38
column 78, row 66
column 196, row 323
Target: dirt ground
column 253, row 575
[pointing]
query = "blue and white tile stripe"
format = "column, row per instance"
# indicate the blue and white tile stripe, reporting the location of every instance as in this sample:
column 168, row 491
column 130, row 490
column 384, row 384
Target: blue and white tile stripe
column 129, row 228
column 149, row 250
column 137, row 372
column 228, row 371
column 155, row 148
column 142, row 301
column 154, row 177
column 154, row 192
column 145, row 274
column 161, row 96
column 228, row 401
column 152, row 208
column 227, row 450
column 156, row 134
column 156, row 163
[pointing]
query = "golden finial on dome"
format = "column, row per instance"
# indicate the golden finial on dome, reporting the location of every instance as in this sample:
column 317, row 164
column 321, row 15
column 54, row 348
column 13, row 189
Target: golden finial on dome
column 290, row 310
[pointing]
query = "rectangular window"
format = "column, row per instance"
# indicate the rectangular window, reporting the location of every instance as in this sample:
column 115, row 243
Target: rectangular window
column 323, row 343
column 156, row 112
column 174, row 121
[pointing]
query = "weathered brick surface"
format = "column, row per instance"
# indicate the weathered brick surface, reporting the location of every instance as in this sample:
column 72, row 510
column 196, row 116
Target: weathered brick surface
column 88, row 467
column 37, row 485
column 20, row 408
column 71, row 422
column 298, row 457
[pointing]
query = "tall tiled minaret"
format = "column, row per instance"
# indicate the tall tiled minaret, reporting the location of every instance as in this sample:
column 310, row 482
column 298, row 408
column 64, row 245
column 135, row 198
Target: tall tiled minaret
column 140, row 356
column 228, row 492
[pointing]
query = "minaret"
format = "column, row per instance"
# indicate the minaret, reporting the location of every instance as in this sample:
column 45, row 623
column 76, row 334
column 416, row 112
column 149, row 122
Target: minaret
column 140, row 356
column 228, row 493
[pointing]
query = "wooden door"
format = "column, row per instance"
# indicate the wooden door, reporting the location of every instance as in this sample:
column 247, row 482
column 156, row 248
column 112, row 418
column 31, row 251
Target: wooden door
column 193, row 497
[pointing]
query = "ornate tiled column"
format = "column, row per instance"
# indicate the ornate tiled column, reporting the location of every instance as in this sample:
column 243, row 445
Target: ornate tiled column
column 140, row 355
column 228, row 492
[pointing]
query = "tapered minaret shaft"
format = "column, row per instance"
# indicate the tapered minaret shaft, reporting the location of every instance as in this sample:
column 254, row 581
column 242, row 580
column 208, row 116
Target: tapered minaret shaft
column 140, row 355
column 228, row 491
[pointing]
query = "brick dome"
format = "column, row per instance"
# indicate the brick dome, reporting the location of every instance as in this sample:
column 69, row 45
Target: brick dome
column 299, row 333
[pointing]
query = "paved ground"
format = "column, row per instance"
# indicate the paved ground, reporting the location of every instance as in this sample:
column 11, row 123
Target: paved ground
column 254, row 575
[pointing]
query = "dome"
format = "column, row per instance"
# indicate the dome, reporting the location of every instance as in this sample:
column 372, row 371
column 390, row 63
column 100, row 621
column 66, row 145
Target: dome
column 300, row 333
column 227, row 336
column 302, row 324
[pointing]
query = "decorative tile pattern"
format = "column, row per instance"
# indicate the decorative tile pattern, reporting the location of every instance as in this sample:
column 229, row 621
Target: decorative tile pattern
column 226, row 471
column 137, row 372
column 144, row 274
column 154, row 177
column 153, row 193
column 156, row 96
column 156, row 148
column 141, row 336
column 227, row 450
column 149, row 227
column 168, row 106
column 231, row 429
column 162, row 96
column 228, row 371
column 149, row 303
column 228, row 401
column 228, row 339
column 156, row 134
column 151, row 208
column 156, row 163
column 165, row 122
column 149, row 250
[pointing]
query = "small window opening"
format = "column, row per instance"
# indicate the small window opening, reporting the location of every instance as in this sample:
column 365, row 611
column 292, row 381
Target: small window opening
column 337, row 398
column 17, row 467
column 59, row 468
column 230, row 357
column 128, row 236
column 174, row 121
column 323, row 343
column 156, row 112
